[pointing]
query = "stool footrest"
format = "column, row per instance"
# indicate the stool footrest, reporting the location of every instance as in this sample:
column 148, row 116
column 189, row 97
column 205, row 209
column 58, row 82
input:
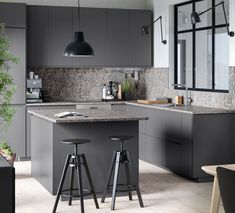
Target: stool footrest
column 75, row 193
column 123, row 188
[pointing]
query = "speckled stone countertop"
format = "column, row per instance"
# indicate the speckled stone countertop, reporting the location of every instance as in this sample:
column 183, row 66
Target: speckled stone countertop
column 183, row 109
column 72, row 103
column 186, row 109
column 90, row 115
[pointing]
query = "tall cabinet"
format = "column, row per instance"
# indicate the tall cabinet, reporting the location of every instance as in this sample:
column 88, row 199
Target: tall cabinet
column 15, row 23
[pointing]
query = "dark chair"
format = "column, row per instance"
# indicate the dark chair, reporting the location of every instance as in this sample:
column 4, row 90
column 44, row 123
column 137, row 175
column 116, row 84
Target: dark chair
column 226, row 179
column 75, row 161
column 123, row 158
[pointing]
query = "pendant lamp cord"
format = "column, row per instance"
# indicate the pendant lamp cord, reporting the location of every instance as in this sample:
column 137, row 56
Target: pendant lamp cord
column 78, row 15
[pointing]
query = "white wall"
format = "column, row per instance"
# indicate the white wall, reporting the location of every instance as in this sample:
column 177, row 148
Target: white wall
column 164, row 54
column 125, row 4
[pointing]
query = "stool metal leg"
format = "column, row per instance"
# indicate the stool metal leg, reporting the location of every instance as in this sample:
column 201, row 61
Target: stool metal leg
column 134, row 180
column 79, row 174
column 109, row 176
column 66, row 165
column 115, row 181
column 90, row 180
column 128, row 181
column 71, row 181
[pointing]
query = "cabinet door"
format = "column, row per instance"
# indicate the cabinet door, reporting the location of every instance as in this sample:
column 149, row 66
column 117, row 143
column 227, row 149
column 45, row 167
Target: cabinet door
column 17, row 38
column 13, row 14
column 143, row 147
column 16, row 132
column 139, row 111
column 154, row 126
column 118, row 38
column 172, row 156
column 93, row 24
column 60, row 35
column 153, row 150
column 140, row 45
column 37, row 36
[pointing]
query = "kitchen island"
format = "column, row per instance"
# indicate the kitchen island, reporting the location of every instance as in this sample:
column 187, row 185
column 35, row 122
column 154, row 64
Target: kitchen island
column 49, row 154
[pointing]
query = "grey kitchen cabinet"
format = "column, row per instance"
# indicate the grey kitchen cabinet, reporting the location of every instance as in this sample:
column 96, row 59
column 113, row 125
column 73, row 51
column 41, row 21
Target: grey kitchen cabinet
column 16, row 131
column 60, row 35
column 93, row 23
column 118, row 38
column 139, row 45
column 28, row 121
column 17, row 38
column 114, row 35
column 184, row 142
column 37, row 36
column 13, row 15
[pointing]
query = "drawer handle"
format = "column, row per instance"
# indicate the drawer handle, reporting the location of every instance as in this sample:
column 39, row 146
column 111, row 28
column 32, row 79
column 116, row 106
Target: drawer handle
column 93, row 107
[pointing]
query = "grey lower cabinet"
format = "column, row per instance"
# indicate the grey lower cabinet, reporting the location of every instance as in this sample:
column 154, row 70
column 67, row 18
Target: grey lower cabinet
column 16, row 132
column 13, row 15
column 28, row 122
column 183, row 142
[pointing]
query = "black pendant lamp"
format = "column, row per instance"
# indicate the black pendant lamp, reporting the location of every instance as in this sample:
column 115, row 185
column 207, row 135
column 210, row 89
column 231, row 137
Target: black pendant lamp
column 195, row 17
column 79, row 47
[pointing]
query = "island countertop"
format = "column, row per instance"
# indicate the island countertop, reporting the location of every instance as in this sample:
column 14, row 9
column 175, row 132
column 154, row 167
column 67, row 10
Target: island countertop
column 88, row 115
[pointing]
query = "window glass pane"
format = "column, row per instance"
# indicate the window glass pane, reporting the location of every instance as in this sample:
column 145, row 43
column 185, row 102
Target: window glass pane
column 184, row 17
column 221, row 59
column 203, row 69
column 206, row 18
column 185, row 64
column 219, row 14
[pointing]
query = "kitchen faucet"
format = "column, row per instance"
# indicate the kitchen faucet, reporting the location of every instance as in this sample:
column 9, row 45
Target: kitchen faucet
column 188, row 100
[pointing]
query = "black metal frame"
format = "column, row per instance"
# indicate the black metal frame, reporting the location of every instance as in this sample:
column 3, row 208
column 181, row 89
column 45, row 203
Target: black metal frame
column 193, row 30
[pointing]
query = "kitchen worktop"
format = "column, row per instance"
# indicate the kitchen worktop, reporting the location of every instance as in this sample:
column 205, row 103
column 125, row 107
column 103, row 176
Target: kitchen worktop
column 183, row 109
column 186, row 109
column 89, row 115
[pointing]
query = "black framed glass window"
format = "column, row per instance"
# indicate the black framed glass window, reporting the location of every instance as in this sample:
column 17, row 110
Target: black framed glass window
column 202, row 49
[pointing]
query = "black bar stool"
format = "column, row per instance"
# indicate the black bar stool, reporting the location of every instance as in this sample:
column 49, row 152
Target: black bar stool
column 121, row 157
column 74, row 161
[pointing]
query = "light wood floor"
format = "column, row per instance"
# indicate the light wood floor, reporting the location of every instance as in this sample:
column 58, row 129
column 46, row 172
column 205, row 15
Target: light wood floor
column 162, row 191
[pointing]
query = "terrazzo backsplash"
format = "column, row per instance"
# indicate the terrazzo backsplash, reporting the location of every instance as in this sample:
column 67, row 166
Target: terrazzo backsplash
column 85, row 85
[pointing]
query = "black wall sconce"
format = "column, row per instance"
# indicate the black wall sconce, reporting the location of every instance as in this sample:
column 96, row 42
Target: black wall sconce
column 145, row 29
column 195, row 17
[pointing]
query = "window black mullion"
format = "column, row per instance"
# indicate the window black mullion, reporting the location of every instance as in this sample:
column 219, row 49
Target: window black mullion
column 213, row 45
column 194, row 52
column 176, row 45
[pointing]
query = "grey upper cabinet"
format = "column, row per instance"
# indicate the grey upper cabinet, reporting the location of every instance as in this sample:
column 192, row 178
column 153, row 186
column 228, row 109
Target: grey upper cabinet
column 17, row 38
column 38, row 36
column 60, row 35
column 93, row 24
column 139, row 45
column 114, row 34
column 118, row 38
column 13, row 15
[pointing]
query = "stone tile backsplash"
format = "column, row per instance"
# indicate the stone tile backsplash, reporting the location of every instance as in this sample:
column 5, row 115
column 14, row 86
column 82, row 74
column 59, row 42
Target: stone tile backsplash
column 85, row 84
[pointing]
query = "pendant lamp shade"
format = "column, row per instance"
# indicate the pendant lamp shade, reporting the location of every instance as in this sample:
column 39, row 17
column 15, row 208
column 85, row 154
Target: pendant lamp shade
column 79, row 47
